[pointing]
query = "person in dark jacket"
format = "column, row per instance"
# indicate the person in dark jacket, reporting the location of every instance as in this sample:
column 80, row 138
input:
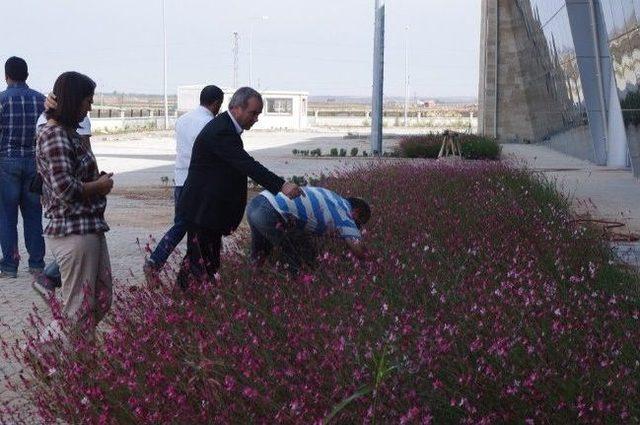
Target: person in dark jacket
column 214, row 195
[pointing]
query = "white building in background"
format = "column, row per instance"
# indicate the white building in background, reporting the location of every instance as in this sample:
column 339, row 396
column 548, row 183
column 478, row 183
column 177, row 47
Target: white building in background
column 282, row 109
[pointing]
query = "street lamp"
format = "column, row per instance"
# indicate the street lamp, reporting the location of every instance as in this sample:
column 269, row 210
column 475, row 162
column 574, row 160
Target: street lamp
column 406, row 77
column 164, row 35
column 253, row 20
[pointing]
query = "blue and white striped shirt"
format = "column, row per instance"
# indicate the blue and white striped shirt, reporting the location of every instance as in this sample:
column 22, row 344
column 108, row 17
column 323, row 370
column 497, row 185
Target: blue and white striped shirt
column 20, row 108
column 320, row 212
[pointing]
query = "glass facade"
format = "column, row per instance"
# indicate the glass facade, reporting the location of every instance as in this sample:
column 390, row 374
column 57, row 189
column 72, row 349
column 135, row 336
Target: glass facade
column 622, row 19
column 557, row 100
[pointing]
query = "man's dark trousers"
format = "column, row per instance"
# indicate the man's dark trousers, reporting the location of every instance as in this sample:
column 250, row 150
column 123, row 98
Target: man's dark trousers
column 203, row 256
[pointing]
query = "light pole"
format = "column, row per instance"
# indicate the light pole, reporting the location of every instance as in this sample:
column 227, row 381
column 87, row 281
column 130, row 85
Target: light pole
column 262, row 18
column 166, row 100
column 236, row 65
column 378, row 80
column 406, row 78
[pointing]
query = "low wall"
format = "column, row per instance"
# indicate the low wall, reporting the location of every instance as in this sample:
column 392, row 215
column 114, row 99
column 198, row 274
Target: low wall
column 460, row 123
column 432, row 124
column 116, row 125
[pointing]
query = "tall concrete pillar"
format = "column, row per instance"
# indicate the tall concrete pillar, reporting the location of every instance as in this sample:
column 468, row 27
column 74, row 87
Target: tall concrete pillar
column 504, row 109
column 537, row 84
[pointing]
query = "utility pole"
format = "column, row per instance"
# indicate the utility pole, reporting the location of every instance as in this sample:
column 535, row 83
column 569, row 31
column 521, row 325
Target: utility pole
column 264, row 18
column 406, row 78
column 166, row 99
column 378, row 80
column 236, row 51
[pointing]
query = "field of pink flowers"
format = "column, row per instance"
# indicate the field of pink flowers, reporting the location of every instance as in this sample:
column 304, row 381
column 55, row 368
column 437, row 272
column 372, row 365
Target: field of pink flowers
column 483, row 302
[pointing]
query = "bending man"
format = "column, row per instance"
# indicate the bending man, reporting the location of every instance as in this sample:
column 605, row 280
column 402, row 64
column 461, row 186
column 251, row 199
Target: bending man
column 274, row 219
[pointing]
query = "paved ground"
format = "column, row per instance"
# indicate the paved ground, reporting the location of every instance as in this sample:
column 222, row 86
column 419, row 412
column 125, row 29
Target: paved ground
column 141, row 206
column 608, row 193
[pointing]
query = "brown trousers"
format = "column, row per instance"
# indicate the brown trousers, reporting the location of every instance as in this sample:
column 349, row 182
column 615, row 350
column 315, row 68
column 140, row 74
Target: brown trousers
column 87, row 288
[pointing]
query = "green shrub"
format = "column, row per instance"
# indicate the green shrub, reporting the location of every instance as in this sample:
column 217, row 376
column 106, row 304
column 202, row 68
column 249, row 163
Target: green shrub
column 333, row 152
column 428, row 146
column 420, row 146
column 354, row 152
column 299, row 180
column 477, row 147
column 343, row 152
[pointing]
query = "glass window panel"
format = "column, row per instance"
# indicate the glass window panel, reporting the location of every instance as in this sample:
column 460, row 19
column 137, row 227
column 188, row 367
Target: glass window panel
column 608, row 18
column 636, row 7
column 618, row 17
column 283, row 106
column 629, row 14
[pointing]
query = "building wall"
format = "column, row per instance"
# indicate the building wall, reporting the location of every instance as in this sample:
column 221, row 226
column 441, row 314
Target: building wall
column 552, row 77
column 622, row 19
column 282, row 110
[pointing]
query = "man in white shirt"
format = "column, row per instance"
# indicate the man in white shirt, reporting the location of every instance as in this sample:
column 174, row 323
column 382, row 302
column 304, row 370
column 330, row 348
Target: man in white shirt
column 188, row 127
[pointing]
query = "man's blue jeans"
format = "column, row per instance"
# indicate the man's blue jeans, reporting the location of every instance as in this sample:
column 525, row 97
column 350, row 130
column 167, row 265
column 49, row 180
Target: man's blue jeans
column 173, row 237
column 16, row 175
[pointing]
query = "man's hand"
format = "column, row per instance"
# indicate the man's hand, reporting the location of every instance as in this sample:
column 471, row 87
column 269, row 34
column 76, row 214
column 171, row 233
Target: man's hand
column 357, row 248
column 105, row 184
column 292, row 190
column 50, row 102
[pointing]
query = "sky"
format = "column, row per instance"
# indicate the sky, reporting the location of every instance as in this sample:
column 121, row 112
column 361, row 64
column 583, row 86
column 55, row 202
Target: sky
column 322, row 47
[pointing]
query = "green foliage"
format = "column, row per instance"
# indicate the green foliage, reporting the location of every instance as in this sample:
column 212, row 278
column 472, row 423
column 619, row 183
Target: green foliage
column 420, row 147
column 428, row 146
column 299, row 180
column 480, row 148
column 343, row 152
column 333, row 152
column 354, row 152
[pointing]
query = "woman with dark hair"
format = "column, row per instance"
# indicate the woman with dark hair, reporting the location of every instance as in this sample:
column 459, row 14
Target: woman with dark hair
column 74, row 199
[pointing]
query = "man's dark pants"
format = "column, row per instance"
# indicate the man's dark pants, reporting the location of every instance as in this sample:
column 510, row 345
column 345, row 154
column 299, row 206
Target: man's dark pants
column 203, row 256
column 16, row 175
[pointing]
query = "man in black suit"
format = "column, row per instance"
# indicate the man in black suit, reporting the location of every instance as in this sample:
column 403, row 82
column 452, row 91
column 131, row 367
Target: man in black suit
column 214, row 195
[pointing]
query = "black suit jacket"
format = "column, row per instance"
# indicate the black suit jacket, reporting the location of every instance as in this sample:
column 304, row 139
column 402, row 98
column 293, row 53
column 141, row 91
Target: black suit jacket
column 215, row 193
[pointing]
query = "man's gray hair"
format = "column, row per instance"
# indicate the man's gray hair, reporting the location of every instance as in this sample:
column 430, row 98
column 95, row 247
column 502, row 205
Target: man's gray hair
column 241, row 97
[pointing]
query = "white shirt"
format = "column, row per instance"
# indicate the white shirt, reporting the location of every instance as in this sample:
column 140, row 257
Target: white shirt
column 188, row 127
column 239, row 129
column 84, row 129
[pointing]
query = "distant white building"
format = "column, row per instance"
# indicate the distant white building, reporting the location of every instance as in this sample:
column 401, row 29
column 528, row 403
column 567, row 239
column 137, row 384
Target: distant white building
column 282, row 109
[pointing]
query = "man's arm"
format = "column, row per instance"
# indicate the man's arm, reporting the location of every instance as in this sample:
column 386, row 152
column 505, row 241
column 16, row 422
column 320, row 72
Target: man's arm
column 241, row 160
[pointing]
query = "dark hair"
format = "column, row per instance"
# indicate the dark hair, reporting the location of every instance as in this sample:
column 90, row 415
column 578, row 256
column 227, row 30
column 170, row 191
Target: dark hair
column 211, row 94
column 361, row 205
column 241, row 97
column 16, row 69
column 70, row 89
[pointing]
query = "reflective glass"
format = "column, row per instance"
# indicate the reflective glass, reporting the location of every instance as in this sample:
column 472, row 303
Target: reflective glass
column 608, row 18
column 555, row 87
column 630, row 20
column 625, row 55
